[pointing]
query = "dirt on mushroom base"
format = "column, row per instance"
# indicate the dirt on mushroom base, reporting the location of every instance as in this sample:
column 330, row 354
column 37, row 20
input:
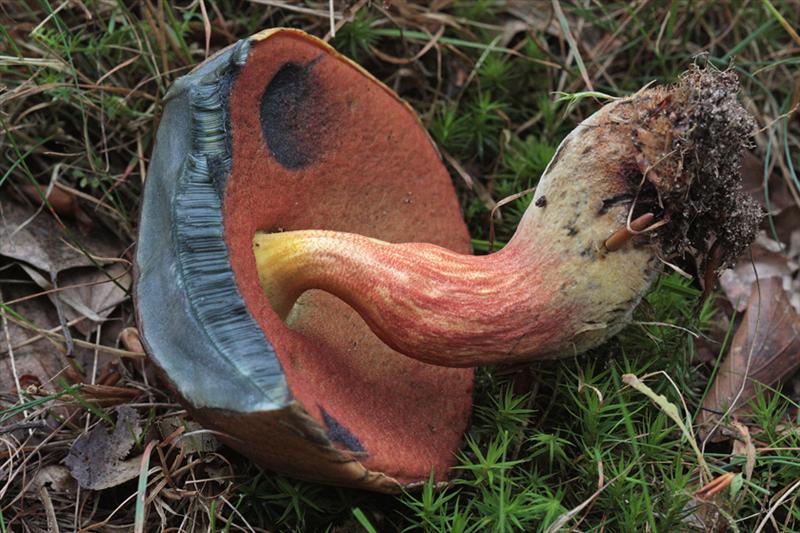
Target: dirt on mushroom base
column 693, row 180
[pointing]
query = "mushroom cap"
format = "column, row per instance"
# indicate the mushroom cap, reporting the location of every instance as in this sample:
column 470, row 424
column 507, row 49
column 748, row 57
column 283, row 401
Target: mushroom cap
column 279, row 132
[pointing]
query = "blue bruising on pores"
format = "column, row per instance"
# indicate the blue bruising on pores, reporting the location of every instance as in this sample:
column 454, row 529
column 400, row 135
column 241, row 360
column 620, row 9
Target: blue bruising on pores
column 203, row 258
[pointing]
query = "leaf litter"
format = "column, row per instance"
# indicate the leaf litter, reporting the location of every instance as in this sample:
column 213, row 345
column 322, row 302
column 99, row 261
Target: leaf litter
column 97, row 459
column 765, row 351
column 37, row 239
column 765, row 259
column 92, row 293
column 24, row 363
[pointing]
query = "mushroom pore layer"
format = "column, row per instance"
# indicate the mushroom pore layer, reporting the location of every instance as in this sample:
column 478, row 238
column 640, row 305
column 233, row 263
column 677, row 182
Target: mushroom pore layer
column 671, row 155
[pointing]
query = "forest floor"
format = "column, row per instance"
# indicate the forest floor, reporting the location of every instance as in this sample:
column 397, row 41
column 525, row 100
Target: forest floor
column 573, row 444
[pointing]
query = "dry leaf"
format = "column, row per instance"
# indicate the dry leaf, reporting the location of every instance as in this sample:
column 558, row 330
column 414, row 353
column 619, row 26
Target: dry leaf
column 780, row 197
column 767, row 262
column 131, row 340
column 108, row 395
column 765, row 349
column 35, row 362
column 96, row 459
column 671, row 410
column 54, row 476
column 38, row 240
column 96, row 291
column 786, row 222
column 62, row 201
column 194, row 439
column 89, row 292
column 743, row 445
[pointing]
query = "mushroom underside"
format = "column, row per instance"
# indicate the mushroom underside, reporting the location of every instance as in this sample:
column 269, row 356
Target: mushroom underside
column 281, row 133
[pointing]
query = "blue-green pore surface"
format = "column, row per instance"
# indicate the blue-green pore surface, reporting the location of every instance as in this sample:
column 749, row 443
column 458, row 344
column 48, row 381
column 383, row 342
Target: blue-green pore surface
column 192, row 317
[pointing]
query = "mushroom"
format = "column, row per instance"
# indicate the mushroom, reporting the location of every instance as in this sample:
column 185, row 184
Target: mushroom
column 279, row 132
column 652, row 175
column 303, row 273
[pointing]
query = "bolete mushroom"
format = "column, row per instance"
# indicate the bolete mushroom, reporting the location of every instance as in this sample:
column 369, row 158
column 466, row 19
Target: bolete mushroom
column 280, row 132
column 281, row 138
column 645, row 177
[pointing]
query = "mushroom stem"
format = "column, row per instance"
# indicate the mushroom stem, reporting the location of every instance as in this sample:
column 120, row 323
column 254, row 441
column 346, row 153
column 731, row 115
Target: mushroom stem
column 554, row 290
column 583, row 255
column 422, row 300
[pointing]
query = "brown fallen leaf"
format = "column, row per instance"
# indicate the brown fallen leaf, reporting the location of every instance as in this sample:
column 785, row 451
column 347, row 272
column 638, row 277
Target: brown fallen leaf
column 765, row 349
column 108, row 392
column 97, row 459
column 37, row 239
column 89, row 292
column 794, row 245
column 785, row 223
column 54, row 476
column 95, row 291
column 193, row 439
column 22, row 359
column 763, row 261
column 780, row 197
column 131, row 340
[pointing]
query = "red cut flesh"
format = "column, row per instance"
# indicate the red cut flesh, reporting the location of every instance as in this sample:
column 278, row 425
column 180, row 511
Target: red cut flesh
column 367, row 167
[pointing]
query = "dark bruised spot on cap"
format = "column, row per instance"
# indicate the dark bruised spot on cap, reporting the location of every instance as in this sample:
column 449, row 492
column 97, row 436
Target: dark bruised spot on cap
column 338, row 433
column 294, row 115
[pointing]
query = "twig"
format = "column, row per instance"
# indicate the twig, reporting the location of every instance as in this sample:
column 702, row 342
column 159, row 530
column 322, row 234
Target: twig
column 26, row 424
column 10, row 350
column 78, row 342
column 61, row 319
column 778, row 503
